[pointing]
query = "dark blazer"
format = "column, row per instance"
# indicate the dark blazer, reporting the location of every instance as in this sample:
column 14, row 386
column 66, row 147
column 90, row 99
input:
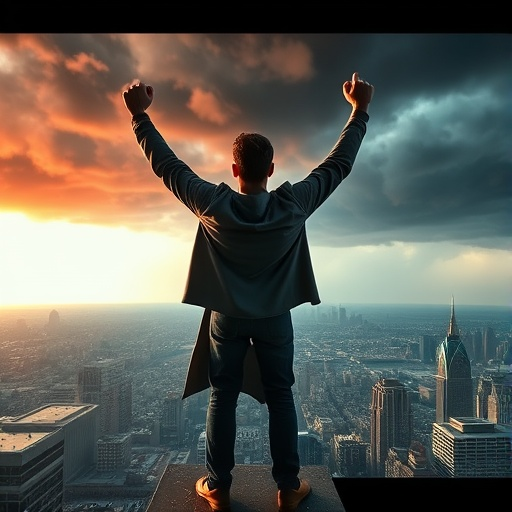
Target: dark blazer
column 251, row 256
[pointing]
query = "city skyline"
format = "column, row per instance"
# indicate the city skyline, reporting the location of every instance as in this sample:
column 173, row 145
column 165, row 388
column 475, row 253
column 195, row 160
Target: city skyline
column 423, row 216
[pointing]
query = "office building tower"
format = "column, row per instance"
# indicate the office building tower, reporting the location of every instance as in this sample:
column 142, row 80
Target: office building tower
column 390, row 422
column 32, row 469
column 471, row 447
column 311, row 451
column 304, row 379
column 349, row 455
column 172, row 422
column 53, row 325
column 79, row 424
column 107, row 384
column 454, row 387
column 490, row 344
column 342, row 315
column 114, row 452
column 499, row 408
column 474, row 346
column 483, row 391
column 427, row 348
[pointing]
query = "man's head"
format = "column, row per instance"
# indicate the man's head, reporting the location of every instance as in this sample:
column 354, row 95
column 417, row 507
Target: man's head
column 252, row 157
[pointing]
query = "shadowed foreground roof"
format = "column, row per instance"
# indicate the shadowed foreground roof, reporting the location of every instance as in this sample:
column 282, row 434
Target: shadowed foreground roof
column 253, row 490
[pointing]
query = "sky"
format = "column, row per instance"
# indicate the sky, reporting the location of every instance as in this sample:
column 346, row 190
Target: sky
column 425, row 214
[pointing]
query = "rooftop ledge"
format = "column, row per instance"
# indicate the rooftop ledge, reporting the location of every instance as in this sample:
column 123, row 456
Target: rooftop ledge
column 254, row 490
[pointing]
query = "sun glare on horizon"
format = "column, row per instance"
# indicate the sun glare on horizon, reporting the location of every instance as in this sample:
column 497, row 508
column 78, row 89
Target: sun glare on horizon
column 62, row 263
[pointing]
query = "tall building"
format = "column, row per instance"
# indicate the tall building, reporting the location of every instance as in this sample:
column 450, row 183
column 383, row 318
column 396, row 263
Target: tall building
column 500, row 399
column 107, row 384
column 79, row 424
column 114, row 452
column 454, row 387
column 471, row 447
column 427, row 348
column 390, row 422
column 310, row 447
column 349, row 454
column 172, row 422
column 483, row 391
column 474, row 346
column 490, row 344
column 32, row 469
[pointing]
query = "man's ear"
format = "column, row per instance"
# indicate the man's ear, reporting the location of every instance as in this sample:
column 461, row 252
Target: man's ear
column 270, row 170
column 235, row 170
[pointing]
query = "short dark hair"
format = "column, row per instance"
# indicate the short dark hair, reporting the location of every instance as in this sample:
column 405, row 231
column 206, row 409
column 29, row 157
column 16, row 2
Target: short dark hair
column 253, row 153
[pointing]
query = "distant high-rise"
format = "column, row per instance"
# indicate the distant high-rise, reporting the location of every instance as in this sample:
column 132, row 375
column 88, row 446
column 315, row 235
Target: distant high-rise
column 310, row 449
column 471, row 447
column 107, row 384
column 172, row 422
column 474, row 346
column 390, row 422
column 427, row 348
column 349, row 454
column 483, row 391
column 454, row 387
column 490, row 344
column 114, row 452
column 499, row 408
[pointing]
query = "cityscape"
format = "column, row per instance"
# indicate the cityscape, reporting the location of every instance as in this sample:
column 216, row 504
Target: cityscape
column 91, row 398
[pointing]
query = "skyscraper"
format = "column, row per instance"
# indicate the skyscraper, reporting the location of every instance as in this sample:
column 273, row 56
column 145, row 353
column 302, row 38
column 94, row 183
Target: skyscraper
column 483, row 391
column 500, row 398
column 390, row 422
column 489, row 344
column 172, row 423
column 427, row 348
column 310, row 449
column 107, row 384
column 471, row 447
column 454, row 387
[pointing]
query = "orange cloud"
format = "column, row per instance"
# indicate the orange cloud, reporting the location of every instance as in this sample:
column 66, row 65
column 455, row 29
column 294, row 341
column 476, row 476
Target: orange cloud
column 82, row 63
column 276, row 58
column 206, row 106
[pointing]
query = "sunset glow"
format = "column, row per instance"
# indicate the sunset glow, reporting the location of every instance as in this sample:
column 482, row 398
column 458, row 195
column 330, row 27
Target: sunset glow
column 424, row 215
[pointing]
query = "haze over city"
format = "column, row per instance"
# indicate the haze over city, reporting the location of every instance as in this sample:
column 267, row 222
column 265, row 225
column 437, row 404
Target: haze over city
column 424, row 215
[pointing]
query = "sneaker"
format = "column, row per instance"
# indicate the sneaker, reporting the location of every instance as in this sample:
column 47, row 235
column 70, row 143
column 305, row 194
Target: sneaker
column 288, row 499
column 218, row 499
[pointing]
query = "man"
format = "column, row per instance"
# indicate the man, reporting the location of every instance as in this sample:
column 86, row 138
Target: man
column 250, row 266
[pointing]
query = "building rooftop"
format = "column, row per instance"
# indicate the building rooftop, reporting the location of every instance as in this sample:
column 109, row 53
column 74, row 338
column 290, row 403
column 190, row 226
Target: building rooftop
column 17, row 441
column 54, row 413
column 253, row 490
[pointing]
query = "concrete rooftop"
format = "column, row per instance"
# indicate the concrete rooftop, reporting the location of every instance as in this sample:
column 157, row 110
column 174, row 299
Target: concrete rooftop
column 253, row 490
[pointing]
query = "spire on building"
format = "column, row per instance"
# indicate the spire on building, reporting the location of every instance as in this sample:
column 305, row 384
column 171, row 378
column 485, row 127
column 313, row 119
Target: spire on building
column 453, row 330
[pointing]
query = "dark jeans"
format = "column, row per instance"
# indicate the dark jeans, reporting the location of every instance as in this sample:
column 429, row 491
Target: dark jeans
column 273, row 342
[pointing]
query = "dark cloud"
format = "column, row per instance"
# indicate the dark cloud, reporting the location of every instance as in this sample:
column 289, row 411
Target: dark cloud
column 435, row 164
